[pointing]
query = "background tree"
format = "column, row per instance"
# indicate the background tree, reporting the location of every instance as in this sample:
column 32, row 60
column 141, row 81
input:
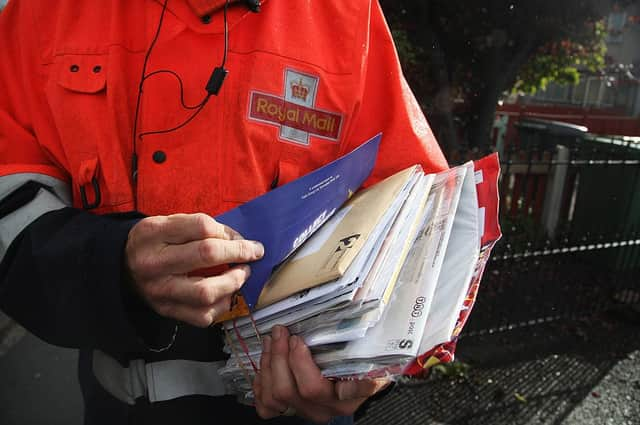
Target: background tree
column 460, row 57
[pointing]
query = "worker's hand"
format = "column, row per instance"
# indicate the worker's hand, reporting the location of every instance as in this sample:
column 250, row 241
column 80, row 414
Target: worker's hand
column 162, row 251
column 290, row 381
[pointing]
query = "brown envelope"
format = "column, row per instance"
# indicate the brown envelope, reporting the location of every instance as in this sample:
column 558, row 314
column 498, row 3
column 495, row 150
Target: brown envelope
column 337, row 252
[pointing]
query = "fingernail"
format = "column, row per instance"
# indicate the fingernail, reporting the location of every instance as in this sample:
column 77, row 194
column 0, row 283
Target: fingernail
column 277, row 332
column 266, row 344
column 346, row 390
column 258, row 249
column 246, row 269
column 293, row 342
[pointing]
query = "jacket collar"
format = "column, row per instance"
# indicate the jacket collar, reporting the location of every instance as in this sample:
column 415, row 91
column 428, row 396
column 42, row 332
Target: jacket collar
column 186, row 12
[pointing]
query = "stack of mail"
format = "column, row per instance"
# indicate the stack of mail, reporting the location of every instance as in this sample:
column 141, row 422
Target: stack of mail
column 382, row 281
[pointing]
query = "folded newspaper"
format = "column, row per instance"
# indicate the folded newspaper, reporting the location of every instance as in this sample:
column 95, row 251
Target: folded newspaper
column 377, row 284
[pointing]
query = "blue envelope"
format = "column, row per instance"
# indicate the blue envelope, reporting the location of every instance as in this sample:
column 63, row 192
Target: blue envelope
column 284, row 218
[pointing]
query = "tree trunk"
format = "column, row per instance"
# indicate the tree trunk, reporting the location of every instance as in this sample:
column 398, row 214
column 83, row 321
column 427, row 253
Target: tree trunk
column 441, row 113
column 499, row 73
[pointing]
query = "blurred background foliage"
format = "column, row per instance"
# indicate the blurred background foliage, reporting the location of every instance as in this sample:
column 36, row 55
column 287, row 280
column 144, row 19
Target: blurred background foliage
column 461, row 58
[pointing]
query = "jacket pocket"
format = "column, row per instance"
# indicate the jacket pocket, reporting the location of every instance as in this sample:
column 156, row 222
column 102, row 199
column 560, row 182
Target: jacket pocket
column 89, row 131
column 81, row 73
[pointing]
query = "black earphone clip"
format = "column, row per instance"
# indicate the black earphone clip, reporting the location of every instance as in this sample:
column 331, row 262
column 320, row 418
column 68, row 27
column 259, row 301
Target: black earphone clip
column 216, row 80
column 253, row 5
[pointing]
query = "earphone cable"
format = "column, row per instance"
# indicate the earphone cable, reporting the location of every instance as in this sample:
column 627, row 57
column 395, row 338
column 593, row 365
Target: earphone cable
column 179, row 126
column 226, row 35
column 198, row 107
column 168, row 71
column 134, row 156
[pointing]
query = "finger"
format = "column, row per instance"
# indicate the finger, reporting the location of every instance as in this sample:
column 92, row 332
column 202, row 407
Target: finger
column 205, row 253
column 197, row 316
column 313, row 387
column 266, row 380
column 205, row 291
column 182, row 228
column 284, row 387
column 263, row 411
column 283, row 382
column 257, row 386
column 309, row 380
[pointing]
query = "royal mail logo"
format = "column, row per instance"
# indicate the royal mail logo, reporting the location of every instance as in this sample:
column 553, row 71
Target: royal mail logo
column 276, row 110
column 299, row 90
column 295, row 112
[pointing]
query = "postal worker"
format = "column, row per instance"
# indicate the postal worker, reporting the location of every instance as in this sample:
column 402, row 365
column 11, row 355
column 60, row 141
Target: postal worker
column 125, row 127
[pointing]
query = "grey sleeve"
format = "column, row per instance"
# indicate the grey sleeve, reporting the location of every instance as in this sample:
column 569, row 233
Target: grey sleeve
column 17, row 212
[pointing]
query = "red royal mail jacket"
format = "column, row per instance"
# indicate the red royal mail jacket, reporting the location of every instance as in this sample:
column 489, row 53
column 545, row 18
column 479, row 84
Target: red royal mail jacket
column 307, row 82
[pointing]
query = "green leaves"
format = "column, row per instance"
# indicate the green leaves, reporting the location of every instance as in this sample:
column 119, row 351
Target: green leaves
column 461, row 57
column 456, row 368
column 564, row 61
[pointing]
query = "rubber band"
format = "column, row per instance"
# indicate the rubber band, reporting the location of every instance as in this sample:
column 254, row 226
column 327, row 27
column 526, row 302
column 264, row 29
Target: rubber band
column 255, row 328
column 244, row 346
column 245, row 372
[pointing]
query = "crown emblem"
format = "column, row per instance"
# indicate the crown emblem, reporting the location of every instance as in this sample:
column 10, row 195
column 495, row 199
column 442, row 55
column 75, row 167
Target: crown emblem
column 299, row 90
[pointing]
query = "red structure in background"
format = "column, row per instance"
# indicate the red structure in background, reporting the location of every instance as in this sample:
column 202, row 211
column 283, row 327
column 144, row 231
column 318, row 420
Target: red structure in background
column 535, row 134
column 605, row 121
